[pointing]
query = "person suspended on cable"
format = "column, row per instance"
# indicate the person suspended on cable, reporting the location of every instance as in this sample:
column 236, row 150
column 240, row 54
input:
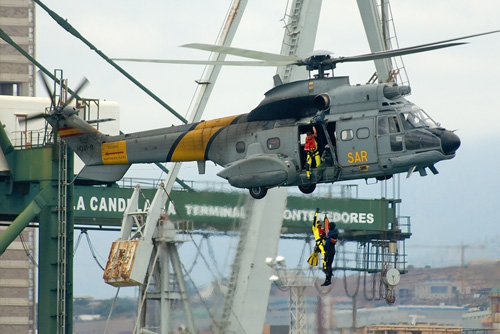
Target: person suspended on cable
column 331, row 239
column 311, row 149
column 319, row 235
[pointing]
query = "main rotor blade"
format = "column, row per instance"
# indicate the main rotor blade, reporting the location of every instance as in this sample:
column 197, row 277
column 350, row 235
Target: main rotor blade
column 83, row 83
column 272, row 59
column 390, row 53
column 32, row 117
column 241, row 52
column 210, row 62
column 410, row 50
column 457, row 39
column 47, row 88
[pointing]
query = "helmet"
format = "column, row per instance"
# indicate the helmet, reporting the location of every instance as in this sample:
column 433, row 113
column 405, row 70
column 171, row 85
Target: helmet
column 332, row 225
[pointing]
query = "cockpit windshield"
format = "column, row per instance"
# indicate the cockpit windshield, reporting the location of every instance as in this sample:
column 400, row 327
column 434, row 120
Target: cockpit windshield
column 413, row 117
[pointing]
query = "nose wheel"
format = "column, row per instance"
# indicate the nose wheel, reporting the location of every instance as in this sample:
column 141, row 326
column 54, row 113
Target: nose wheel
column 257, row 192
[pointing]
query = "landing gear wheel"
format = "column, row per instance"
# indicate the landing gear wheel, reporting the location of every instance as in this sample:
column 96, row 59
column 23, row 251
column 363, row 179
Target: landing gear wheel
column 307, row 188
column 257, row 192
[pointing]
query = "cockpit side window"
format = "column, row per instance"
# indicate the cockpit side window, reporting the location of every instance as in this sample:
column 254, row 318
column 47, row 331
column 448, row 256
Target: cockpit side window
column 383, row 125
column 388, row 124
column 394, row 124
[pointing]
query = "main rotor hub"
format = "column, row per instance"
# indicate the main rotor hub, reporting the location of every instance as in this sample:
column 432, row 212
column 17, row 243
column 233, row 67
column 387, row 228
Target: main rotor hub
column 320, row 63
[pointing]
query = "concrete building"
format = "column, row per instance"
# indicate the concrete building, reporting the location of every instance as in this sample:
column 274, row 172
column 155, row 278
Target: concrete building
column 436, row 290
column 17, row 288
column 17, row 78
column 402, row 314
column 495, row 309
column 17, row 74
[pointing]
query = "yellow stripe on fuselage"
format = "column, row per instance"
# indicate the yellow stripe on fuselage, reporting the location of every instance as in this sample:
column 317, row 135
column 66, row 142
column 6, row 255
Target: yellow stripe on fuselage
column 114, row 153
column 215, row 123
column 193, row 145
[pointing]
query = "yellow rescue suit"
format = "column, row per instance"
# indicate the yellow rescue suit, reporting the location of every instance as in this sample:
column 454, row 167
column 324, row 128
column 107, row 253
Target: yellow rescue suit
column 320, row 243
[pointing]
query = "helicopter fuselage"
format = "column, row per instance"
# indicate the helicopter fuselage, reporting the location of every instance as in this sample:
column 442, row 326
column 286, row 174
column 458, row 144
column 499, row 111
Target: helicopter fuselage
column 370, row 131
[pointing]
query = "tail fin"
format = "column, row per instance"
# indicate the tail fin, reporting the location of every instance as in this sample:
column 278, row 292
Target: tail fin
column 82, row 138
column 85, row 141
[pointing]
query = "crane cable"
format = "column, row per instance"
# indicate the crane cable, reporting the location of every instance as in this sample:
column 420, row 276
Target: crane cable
column 94, row 252
column 191, row 236
column 187, row 273
column 29, row 252
column 366, row 253
column 215, row 279
column 373, row 284
column 195, row 261
column 111, row 310
column 201, row 299
column 200, row 254
column 355, row 293
column 206, row 263
column 141, row 305
column 91, row 247
column 212, row 255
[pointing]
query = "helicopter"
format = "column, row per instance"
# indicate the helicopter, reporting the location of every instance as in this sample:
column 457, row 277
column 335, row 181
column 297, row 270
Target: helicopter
column 369, row 131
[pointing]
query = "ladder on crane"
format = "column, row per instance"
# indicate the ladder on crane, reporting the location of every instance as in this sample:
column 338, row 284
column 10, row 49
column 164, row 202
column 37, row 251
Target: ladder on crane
column 62, row 213
column 381, row 33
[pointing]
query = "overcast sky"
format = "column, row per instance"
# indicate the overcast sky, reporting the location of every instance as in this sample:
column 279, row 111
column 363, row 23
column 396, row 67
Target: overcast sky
column 458, row 87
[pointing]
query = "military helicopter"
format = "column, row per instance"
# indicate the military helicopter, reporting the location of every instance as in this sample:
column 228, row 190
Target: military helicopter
column 370, row 131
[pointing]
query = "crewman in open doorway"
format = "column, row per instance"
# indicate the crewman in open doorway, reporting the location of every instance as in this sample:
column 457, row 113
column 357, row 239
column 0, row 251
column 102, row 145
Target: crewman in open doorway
column 311, row 149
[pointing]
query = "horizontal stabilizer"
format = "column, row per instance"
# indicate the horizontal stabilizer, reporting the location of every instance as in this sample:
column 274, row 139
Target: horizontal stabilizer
column 102, row 173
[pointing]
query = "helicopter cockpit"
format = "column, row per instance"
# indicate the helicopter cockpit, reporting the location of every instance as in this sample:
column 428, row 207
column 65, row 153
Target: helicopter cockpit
column 414, row 117
column 418, row 131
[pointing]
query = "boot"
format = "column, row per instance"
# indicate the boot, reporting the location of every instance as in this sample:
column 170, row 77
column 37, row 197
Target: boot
column 327, row 282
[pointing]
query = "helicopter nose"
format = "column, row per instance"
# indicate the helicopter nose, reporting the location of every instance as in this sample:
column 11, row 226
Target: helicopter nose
column 450, row 142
